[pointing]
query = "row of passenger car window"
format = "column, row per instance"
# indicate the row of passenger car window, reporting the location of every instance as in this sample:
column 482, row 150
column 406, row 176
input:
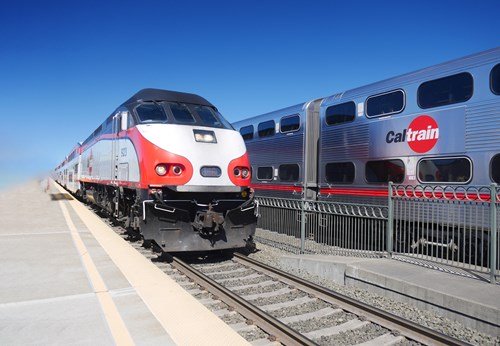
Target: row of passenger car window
column 286, row 172
column 432, row 170
column 288, row 124
column 435, row 93
column 435, row 170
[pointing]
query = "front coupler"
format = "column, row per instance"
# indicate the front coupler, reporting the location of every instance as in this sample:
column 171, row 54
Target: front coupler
column 178, row 226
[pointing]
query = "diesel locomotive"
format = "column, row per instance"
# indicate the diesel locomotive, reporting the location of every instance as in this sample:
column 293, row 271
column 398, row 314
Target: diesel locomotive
column 168, row 165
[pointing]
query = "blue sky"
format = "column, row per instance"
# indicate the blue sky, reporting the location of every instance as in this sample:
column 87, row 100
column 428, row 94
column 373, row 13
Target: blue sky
column 65, row 66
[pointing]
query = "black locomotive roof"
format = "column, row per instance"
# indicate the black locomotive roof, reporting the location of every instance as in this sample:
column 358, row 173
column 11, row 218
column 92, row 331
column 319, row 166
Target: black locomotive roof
column 166, row 95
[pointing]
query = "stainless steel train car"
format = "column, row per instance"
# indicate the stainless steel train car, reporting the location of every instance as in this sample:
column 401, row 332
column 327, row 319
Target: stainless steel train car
column 169, row 165
column 439, row 125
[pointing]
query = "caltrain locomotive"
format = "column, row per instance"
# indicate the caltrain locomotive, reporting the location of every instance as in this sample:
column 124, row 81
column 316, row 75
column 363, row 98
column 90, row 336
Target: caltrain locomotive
column 169, row 165
column 436, row 126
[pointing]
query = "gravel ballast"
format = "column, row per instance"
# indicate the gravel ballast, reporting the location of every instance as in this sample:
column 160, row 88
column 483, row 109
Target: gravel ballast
column 240, row 274
column 278, row 299
column 252, row 335
column 233, row 319
column 323, row 322
column 314, row 305
column 261, row 289
column 247, row 281
column 353, row 337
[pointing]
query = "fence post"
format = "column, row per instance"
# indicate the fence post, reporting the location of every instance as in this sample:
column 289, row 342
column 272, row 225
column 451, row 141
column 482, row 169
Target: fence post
column 303, row 226
column 390, row 220
column 493, row 232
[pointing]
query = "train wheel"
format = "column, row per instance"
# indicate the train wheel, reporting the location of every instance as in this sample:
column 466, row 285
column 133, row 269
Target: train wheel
column 250, row 247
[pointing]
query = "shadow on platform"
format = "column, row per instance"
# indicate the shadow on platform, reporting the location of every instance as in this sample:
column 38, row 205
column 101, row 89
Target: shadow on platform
column 60, row 196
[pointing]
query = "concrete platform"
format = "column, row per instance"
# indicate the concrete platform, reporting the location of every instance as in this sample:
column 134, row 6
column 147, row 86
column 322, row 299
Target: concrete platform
column 474, row 303
column 67, row 278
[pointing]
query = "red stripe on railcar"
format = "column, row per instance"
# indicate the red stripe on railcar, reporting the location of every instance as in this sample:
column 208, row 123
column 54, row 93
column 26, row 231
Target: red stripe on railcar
column 355, row 192
column 276, row 187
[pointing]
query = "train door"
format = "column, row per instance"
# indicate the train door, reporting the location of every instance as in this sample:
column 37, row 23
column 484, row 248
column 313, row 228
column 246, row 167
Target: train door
column 115, row 147
column 311, row 137
column 119, row 169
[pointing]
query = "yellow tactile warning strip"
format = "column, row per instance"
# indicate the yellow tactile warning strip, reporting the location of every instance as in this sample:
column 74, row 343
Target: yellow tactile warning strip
column 116, row 325
column 186, row 321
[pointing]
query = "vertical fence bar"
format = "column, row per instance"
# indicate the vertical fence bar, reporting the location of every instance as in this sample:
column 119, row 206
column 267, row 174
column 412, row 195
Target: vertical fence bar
column 302, row 226
column 493, row 232
column 390, row 220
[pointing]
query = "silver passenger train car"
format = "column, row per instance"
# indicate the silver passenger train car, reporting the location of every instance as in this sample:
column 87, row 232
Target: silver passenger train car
column 439, row 125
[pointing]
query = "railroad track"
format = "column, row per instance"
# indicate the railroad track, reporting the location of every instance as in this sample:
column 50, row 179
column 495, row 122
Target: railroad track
column 296, row 306
column 269, row 307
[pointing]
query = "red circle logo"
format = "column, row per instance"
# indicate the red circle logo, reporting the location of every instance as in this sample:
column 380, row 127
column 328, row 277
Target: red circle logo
column 422, row 134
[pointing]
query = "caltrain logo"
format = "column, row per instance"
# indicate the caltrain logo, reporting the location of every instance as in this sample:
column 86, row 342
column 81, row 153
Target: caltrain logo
column 421, row 136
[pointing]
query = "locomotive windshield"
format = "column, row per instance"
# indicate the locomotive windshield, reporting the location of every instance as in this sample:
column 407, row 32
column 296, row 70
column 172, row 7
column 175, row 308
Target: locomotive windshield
column 180, row 113
column 151, row 113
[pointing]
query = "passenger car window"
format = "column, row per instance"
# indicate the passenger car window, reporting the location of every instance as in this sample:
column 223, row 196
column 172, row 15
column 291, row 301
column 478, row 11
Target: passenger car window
column 445, row 91
column 384, row 104
column 150, row 113
column 266, row 128
column 247, row 132
column 264, row 173
column 495, row 79
column 289, row 123
column 384, row 171
column 495, row 168
column 444, row 170
column 341, row 113
column 289, row 173
column 339, row 172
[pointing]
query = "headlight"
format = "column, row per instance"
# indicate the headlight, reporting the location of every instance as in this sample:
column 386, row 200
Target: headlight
column 161, row 169
column 245, row 173
column 204, row 136
column 237, row 172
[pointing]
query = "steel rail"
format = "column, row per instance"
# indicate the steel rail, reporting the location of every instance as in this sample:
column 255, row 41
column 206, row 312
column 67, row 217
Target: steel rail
column 283, row 333
column 404, row 327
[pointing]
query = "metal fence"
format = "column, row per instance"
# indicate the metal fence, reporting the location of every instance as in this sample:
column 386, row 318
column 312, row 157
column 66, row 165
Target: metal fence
column 451, row 225
column 323, row 227
column 455, row 227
